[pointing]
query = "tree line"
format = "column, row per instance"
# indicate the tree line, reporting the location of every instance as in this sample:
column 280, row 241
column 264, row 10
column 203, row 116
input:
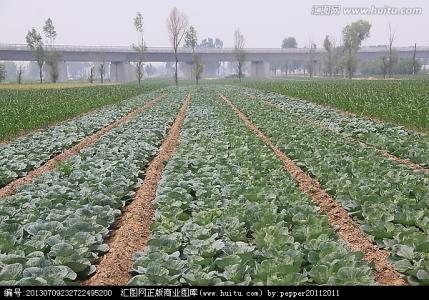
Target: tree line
column 338, row 60
column 341, row 60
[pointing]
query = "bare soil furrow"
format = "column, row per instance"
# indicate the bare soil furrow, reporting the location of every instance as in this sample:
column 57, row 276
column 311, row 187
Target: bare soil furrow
column 133, row 227
column 11, row 188
column 338, row 217
column 348, row 138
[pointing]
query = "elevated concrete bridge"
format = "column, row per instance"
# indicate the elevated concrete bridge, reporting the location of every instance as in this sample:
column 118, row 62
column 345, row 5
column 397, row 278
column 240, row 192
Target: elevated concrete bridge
column 120, row 57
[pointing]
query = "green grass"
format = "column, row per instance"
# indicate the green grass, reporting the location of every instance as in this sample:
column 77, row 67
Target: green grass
column 24, row 110
column 402, row 102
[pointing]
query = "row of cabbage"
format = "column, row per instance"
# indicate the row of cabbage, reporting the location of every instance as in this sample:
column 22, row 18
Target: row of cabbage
column 31, row 151
column 396, row 139
column 402, row 102
column 30, row 107
column 227, row 213
column 52, row 230
column 388, row 199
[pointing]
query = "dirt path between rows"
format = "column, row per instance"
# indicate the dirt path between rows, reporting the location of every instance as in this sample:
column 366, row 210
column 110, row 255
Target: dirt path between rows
column 338, row 217
column 348, row 138
column 134, row 225
column 11, row 188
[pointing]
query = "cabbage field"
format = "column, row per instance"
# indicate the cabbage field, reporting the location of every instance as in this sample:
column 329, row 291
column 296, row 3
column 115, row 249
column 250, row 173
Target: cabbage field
column 25, row 109
column 215, row 185
column 402, row 102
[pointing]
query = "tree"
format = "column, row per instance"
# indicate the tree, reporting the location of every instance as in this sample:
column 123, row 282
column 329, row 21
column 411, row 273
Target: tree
column 77, row 70
column 177, row 23
column 337, row 58
column 49, row 30
column 218, row 43
column 2, row 72
column 150, row 70
column 52, row 56
column 91, row 74
column 19, row 73
column 353, row 35
column 211, row 67
column 284, row 67
column 140, row 47
column 191, row 41
column 191, row 38
column 102, row 70
column 384, row 65
column 391, row 54
column 289, row 42
column 310, row 59
column 328, row 65
column 169, row 69
column 381, row 66
column 52, row 59
column 414, row 60
column 240, row 54
column 198, row 69
column 34, row 41
column 407, row 65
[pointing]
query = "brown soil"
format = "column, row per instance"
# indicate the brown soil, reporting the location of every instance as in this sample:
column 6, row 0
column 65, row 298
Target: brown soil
column 11, row 188
column 134, row 225
column 338, row 217
column 362, row 144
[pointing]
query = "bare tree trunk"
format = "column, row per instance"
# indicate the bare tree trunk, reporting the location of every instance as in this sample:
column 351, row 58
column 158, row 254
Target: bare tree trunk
column 391, row 40
column 176, row 24
column 350, row 64
column 414, row 60
column 40, row 74
column 240, row 70
column 175, row 72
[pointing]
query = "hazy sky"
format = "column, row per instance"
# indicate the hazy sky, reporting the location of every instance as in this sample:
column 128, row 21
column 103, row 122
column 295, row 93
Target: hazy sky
column 264, row 23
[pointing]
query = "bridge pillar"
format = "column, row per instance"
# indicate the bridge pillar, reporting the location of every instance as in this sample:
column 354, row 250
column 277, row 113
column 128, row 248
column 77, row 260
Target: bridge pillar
column 122, row 71
column 62, row 72
column 316, row 67
column 188, row 70
column 259, row 69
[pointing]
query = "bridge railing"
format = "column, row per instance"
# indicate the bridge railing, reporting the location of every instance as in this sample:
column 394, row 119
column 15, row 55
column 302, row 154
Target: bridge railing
column 122, row 49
